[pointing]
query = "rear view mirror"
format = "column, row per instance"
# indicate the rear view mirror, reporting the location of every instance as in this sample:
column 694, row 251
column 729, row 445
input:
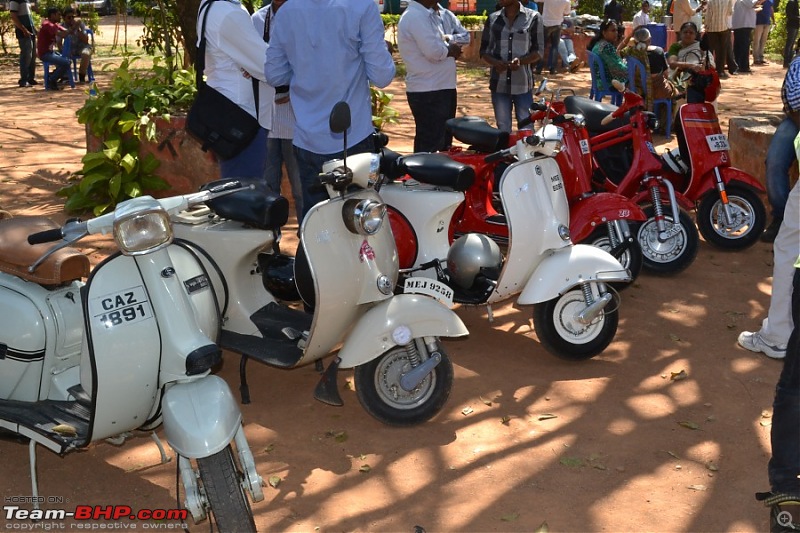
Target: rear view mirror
column 340, row 117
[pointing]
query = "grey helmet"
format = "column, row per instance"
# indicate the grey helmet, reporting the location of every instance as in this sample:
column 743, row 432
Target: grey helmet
column 468, row 255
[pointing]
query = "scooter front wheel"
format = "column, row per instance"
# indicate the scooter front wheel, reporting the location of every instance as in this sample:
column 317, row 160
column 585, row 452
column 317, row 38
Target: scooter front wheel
column 563, row 335
column 223, row 487
column 382, row 395
column 748, row 218
column 675, row 253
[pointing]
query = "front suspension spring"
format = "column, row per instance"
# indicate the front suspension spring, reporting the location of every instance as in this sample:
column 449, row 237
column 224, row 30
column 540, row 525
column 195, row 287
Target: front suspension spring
column 587, row 293
column 612, row 234
column 655, row 194
column 413, row 353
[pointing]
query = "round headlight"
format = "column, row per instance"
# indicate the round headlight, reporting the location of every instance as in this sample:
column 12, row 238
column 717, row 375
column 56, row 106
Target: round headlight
column 363, row 217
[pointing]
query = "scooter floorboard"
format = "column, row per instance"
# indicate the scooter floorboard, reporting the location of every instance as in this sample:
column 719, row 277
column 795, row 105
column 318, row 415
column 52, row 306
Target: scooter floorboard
column 275, row 349
column 42, row 417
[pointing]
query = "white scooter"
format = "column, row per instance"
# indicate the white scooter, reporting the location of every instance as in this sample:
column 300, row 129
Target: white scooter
column 346, row 269
column 129, row 349
column 575, row 311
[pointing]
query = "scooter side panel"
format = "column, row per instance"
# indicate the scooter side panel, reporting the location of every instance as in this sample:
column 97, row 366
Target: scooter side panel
column 23, row 339
column 122, row 355
column 345, row 268
column 568, row 267
column 199, row 288
column 372, row 336
column 535, row 206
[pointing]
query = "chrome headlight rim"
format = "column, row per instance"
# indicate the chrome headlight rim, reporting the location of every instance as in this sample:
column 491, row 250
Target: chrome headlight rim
column 363, row 216
column 142, row 230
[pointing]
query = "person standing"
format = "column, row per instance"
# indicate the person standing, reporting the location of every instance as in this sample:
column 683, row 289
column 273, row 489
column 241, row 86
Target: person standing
column 642, row 17
column 510, row 43
column 764, row 19
column 553, row 14
column 682, row 13
column 280, row 152
column 328, row 51
column 22, row 19
column 792, row 26
column 234, row 57
column 47, row 47
column 429, row 54
column 613, row 11
column 718, row 31
column 744, row 20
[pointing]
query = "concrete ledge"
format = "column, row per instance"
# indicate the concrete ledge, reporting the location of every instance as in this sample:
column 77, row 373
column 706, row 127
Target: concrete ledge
column 749, row 138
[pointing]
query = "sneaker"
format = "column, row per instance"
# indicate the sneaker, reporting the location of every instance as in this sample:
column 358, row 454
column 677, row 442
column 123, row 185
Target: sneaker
column 771, row 231
column 752, row 340
column 23, row 84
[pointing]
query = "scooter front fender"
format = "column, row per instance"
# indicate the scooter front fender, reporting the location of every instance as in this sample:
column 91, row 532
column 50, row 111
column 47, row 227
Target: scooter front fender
column 201, row 417
column 730, row 176
column 586, row 214
column 568, row 267
column 372, row 335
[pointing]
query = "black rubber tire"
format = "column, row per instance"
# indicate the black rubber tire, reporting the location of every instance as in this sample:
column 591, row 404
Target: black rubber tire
column 547, row 323
column 631, row 259
column 378, row 379
column 222, row 482
column 739, row 196
column 687, row 247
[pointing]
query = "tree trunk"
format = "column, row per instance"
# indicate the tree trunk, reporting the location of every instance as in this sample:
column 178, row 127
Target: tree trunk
column 187, row 17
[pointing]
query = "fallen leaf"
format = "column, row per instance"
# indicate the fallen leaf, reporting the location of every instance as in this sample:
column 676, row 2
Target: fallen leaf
column 543, row 528
column 269, row 448
column 697, row 487
column 65, row 429
column 766, row 414
column 688, row 424
column 505, row 420
column 572, row 462
column 677, row 376
column 766, row 423
column 673, row 454
column 711, row 465
column 547, row 416
column 364, row 469
column 674, row 337
column 511, row 517
column 274, row 481
column 486, row 402
column 467, row 411
column 348, row 385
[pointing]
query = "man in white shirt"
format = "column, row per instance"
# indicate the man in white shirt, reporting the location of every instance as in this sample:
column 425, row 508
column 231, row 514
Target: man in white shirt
column 642, row 17
column 553, row 15
column 429, row 53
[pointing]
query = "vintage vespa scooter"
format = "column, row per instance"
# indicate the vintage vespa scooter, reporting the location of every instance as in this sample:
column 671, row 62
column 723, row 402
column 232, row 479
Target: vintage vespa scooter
column 345, row 273
column 575, row 312
column 129, row 349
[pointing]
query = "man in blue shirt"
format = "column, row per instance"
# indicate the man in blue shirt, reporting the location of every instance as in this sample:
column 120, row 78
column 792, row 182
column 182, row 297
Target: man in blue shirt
column 328, row 51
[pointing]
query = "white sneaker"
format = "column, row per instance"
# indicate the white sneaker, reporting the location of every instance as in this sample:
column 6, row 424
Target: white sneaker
column 751, row 340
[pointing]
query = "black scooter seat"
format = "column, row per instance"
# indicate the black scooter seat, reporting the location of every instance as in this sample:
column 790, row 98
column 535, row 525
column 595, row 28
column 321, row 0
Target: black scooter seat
column 477, row 133
column 437, row 169
column 594, row 112
column 257, row 207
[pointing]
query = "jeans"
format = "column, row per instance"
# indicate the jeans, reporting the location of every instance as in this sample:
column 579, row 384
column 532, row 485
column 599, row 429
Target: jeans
column 780, row 158
column 310, row 165
column 788, row 49
column 784, row 465
column 552, row 34
column 718, row 42
column 760, row 35
column 431, row 109
column 281, row 151
column 61, row 66
column 502, row 103
column 27, row 59
column 566, row 50
column 249, row 164
column 741, row 48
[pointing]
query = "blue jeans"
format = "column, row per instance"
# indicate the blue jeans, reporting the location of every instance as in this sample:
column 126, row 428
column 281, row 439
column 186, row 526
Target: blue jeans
column 784, row 466
column 61, row 66
column 249, row 164
column 280, row 151
column 310, row 165
column 552, row 34
column 502, row 108
column 780, row 158
column 27, row 59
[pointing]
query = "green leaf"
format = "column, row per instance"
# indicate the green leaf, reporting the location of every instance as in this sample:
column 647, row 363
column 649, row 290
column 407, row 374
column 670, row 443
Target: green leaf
column 114, row 186
column 128, row 162
column 510, row 517
column 572, row 462
column 100, row 209
column 90, row 179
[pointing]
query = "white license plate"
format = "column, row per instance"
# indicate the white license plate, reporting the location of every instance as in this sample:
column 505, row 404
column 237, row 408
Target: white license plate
column 121, row 308
column 717, row 142
column 429, row 287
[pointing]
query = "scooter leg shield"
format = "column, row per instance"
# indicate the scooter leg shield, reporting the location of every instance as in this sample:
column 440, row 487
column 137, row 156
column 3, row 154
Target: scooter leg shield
column 373, row 335
column 200, row 417
column 568, row 267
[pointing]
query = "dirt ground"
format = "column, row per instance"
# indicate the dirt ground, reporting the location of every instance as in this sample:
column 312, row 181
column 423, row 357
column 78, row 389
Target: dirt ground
column 610, row 444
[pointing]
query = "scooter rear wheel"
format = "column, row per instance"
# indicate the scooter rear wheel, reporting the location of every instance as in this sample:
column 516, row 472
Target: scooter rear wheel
column 749, row 218
column 564, row 337
column 222, row 482
column 673, row 255
column 380, row 393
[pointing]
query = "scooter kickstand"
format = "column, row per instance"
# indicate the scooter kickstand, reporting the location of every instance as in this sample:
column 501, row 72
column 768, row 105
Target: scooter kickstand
column 164, row 458
column 327, row 390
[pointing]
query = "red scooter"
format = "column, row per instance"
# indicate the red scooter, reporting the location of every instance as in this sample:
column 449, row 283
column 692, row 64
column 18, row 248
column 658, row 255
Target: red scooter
column 625, row 161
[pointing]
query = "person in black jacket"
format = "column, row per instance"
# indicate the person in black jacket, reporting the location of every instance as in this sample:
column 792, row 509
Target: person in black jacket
column 792, row 26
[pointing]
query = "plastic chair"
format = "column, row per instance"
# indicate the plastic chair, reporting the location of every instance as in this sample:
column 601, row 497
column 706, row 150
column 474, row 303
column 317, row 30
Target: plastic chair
column 637, row 80
column 65, row 47
column 598, row 70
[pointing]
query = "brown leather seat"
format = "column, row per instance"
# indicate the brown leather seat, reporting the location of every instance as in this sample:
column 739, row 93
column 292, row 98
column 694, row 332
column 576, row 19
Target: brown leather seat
column 16, row 255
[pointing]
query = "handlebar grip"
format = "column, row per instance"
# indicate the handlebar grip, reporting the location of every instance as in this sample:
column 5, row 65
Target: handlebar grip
column 497, row 156
column 45, row 236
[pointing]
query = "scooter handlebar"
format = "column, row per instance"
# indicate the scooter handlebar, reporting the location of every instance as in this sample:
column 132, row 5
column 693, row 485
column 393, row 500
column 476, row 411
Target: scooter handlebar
column 497, row 156
column 49, row 235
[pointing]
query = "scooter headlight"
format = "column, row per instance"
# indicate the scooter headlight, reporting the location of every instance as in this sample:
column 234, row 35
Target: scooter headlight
column 144, row 228
column 363, row 217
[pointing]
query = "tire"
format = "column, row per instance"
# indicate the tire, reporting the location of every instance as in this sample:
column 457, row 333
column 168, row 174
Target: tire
column 379, row 391
column 631, row 258
column 747, row 210
column 567, row 339
column 222, row 482
column 674, row 255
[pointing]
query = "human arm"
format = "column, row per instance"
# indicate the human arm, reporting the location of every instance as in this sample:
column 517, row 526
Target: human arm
column 18, row 24
column 377, row 59
column 457, row 33
column 487, row 45
column 240, row 40
column 615, row 65
column 421, row 28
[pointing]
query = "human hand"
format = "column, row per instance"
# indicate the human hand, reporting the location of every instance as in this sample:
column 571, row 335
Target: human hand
column 514, row 64
column 453, row 50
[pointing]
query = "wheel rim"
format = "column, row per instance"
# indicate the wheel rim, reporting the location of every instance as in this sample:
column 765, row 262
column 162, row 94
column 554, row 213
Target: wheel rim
column 742, row 213
column 387, row 382
column 604, row 243
column 657, row 251
column 566, row 309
